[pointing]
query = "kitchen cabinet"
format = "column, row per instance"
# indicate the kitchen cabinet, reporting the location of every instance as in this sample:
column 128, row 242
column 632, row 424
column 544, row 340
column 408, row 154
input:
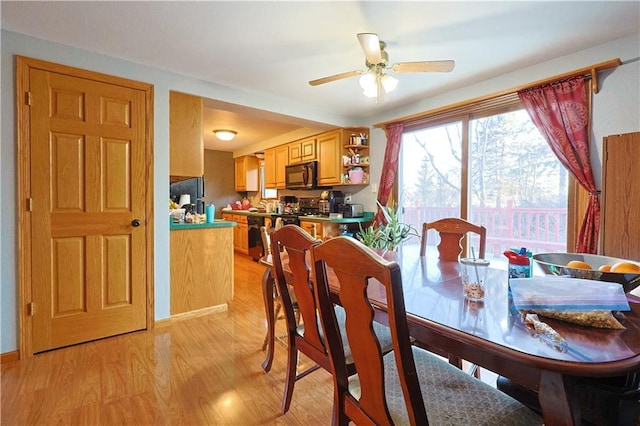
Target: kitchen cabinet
column 186, row 142
column 332, row 146
column 330, row 158
column 246, row 173
column 270, row 168
column 620, row 197
column 241, row 234
column 302, row 150
column 314, row 229
column 282, row 160
column 275, row 160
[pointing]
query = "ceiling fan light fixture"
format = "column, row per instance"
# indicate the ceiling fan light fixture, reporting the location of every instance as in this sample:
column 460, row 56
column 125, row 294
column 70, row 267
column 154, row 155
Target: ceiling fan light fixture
column 225, row 135
column 389, row 83
column 368, row 81
column 371, row 92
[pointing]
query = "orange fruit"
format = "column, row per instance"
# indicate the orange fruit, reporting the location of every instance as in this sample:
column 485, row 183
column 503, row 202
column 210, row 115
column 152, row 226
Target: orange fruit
column 578, row 264
column 604, row 268
column 626, row 267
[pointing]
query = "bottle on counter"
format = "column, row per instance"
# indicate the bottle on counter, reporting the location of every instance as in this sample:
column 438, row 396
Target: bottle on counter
column 210, row 212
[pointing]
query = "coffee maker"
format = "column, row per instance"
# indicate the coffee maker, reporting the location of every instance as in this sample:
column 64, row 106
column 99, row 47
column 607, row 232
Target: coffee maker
column 330, row 202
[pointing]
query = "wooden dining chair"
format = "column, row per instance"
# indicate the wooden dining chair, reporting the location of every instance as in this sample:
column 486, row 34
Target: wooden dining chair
column 277, row 300
column 408, row 385
column 307, row 337
column 451, row 231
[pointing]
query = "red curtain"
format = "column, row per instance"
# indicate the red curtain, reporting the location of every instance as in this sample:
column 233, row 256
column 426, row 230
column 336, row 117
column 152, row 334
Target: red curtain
column 389, row 166
column 561, row 112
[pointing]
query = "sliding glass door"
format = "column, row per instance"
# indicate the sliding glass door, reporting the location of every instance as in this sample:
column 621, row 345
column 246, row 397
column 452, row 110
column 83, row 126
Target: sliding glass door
column 493, row 169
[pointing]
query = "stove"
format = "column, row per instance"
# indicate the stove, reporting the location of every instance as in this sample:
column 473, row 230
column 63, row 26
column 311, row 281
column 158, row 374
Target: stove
column 287, row 218
column 308, row 206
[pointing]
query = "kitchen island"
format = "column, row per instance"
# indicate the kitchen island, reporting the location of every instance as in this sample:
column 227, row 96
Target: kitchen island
column 201, row 266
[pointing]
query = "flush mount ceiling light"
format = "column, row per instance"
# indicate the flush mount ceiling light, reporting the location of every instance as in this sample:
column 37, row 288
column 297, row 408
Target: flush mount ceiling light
column 225, row 135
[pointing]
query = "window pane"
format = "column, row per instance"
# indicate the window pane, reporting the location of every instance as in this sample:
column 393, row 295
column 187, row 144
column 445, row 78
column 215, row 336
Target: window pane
column 430, row 176
column 518, row 189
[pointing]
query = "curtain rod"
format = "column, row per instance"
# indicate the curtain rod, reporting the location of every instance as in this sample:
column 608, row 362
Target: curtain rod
column 590, row 71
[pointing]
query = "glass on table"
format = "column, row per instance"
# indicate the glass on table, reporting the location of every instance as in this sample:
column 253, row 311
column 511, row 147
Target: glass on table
column 473, row 273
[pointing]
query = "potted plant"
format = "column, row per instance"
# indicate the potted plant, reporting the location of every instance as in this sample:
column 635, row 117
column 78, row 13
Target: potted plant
column 389, row 235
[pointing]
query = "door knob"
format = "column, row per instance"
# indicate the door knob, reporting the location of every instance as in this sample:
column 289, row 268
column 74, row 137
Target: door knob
column 135, row 223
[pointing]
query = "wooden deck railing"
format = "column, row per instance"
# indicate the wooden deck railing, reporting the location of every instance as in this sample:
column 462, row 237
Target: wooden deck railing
column 537, row 229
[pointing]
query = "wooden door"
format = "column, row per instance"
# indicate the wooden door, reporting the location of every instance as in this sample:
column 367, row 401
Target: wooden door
column 621, row 196
column 88, row 218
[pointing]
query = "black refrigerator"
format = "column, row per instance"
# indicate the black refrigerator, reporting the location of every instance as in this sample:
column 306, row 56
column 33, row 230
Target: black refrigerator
column 194, row 187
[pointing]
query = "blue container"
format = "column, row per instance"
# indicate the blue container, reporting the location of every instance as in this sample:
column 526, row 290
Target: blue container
column 210, row 212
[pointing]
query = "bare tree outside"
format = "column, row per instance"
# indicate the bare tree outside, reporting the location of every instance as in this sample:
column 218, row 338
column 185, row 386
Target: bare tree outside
column 517, row 188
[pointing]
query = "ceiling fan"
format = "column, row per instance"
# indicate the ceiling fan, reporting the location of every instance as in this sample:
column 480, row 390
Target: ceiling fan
column 374, row 81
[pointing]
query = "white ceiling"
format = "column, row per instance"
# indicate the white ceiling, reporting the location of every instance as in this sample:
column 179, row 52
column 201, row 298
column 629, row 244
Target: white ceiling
column 273, row 49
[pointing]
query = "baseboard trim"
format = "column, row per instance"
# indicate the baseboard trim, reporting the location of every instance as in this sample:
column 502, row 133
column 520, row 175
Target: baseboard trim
column 9, row 357
column 192, row 314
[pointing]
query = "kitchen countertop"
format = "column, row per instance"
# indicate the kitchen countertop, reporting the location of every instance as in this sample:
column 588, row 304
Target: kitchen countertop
column 218, row 223
column 247, row 213
column 368, row 217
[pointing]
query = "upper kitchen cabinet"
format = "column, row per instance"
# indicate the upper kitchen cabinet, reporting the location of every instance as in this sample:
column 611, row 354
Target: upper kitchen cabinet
column 329, row 158
column 186, row 139
column 302, row 150
column 275, row 160
column 331, row 147
column 247, row 170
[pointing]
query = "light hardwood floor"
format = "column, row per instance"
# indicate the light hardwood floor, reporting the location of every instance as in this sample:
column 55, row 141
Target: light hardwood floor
column 191, row 371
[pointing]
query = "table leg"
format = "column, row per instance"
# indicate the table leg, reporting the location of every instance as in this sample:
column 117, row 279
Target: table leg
column 267, row 294
column 558, row 400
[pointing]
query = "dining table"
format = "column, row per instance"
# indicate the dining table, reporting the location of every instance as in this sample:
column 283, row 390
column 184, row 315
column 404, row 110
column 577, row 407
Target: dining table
column 492, row 333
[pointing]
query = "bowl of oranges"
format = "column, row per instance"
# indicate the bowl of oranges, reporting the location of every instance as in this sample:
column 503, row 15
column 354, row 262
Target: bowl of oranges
column 591, row 267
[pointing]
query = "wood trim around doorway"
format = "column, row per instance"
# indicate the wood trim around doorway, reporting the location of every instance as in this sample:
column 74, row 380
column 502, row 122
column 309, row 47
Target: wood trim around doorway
column 23, row 66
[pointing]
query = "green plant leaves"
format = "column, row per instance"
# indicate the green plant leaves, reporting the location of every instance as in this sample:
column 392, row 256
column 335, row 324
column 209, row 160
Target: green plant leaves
column 389, row 235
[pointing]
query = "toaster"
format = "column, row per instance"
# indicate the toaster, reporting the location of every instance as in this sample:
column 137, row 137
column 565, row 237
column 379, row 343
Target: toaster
column 352, row 210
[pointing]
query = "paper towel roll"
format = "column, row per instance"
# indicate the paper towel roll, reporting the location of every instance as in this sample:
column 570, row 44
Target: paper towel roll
column 184, row 199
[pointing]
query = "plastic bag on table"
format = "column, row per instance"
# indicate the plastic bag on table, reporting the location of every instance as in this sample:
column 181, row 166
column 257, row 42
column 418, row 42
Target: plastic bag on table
column 574, row 300
column 567, row 294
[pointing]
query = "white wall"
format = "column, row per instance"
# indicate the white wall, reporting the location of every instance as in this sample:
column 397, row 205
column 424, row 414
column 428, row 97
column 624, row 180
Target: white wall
column 616, row 110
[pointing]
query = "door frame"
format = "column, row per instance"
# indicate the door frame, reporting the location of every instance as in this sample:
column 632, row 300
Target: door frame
column 23, row 66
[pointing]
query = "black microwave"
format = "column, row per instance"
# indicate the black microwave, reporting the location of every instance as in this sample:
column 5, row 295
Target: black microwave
column 302, row 175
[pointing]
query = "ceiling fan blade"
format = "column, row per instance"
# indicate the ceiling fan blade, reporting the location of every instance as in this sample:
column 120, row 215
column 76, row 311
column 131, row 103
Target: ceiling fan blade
column 371, row 45
column 335, row 77
column 424, row 66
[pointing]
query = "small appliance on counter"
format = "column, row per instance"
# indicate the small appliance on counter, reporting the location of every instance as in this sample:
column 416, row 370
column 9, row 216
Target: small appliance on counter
column 352, row 210
column 330, row 202
column 308, row 206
